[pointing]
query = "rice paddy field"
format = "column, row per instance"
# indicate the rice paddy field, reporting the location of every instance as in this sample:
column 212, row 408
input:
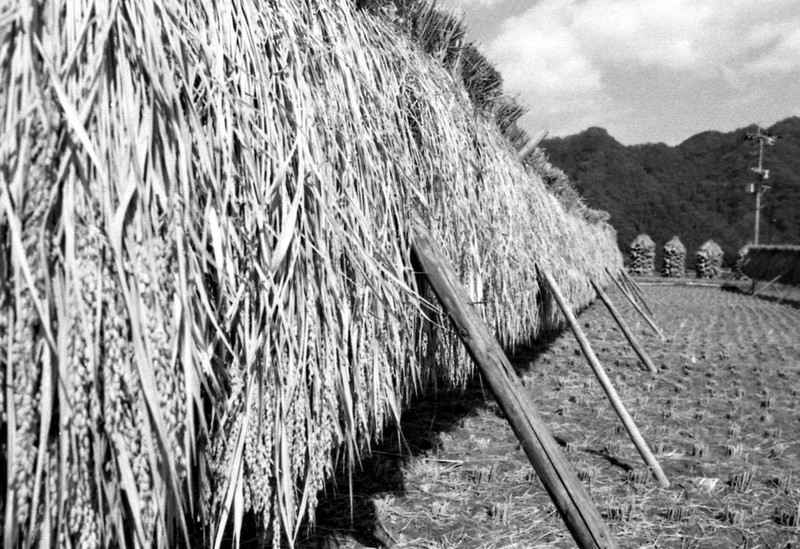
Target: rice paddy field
column 722, row 417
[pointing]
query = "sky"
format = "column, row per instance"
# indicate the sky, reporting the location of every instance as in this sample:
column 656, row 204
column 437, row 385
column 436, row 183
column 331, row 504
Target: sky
column 647, row 71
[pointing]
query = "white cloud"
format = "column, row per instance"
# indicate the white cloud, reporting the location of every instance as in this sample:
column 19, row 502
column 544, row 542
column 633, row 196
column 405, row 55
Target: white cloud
column 559, row 55
column 641, row 31
column 550, row 70
column 469, row 4
column 551, row 63
column 783, row 56
column 689, row 35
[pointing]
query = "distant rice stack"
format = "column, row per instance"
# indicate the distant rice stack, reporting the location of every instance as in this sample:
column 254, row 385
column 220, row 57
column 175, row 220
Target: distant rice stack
column 643, row 256
column 737, row 269
column 709, row 260
column 777, row 262
column 674, row 259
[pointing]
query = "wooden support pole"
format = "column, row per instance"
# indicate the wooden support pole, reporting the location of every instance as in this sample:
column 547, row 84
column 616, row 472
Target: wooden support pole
column 767, row 285
column 605, row 383
column 633, row 289
column 622, row 276
column 624, row 327
column 638, row 308
column 637, row 291
column 566, row 491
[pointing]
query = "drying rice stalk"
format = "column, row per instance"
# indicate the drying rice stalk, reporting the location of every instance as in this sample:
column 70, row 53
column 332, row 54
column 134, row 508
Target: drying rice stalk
column 709, row 260
column 643, row 255
column 205, row 280
column 741, row 254
column 674, row 259
column 774, row 262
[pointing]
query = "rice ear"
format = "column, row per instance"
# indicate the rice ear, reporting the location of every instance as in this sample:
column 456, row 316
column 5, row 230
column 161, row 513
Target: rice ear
column 214, row 269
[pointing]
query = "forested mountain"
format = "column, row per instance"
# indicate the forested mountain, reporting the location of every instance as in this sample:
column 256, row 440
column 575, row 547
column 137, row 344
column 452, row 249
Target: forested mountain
column 695, row 190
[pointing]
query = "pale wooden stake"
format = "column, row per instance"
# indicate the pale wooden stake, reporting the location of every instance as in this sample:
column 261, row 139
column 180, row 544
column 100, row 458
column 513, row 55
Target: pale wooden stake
column 637, row 291
column 632, row 287
column 566, row 491
column 767, row 285
column 638, row 308
column 605, row 382
column 624, row 327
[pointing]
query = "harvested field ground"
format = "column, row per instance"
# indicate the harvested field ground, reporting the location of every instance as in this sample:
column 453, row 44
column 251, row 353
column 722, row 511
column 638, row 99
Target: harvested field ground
column 722, row 416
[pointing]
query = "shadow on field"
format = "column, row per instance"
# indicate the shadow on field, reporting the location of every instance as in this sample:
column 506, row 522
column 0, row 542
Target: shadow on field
column 343, row 515
column 783, row 295
column 794, row 303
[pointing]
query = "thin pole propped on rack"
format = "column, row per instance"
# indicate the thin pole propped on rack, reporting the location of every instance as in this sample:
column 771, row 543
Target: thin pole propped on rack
column 763, row 288
column 605, row 382
column 636, row 306
column 624, row 327
column 636, row 290
column 632, row 288
column 567, row 493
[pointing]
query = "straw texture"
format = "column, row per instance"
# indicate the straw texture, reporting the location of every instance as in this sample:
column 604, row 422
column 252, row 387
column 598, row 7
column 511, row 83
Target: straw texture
column 205, row 282
column 643, row 255
column 740, row 255
column 674, row 264
column 781, row 262
column 709, row 258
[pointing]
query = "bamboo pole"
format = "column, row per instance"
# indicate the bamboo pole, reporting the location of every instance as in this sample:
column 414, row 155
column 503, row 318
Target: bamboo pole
column 639, row 309
column 767, row 285
column 624, row 327
column 621, row 276
column 605, row 383
column 637, row 291
column 632, row 288
column 566, row 491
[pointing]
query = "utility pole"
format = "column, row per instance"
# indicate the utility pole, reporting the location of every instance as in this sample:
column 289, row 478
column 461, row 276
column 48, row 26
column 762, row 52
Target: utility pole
column 759, row 188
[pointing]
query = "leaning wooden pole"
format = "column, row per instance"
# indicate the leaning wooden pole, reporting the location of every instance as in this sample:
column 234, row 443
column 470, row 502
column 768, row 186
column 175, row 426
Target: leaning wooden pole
column 638, row 308
column 767, row 285
column 605, row 383
column 624, row 327
column 632, row 288
column 636, row 290
column 566, row 491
